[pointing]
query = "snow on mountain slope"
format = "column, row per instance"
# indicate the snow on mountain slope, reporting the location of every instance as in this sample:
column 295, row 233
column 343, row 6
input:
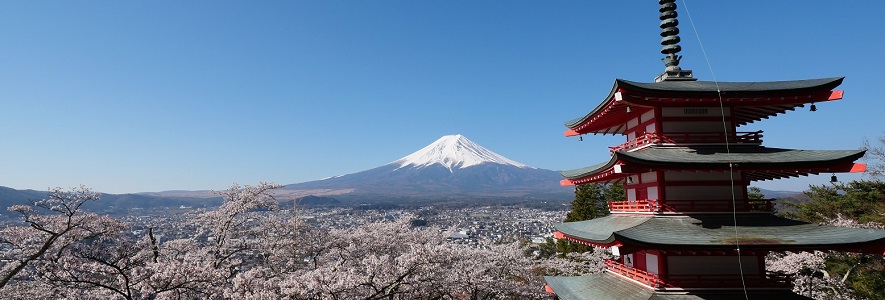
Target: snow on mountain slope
column 451, row 168
column 454, row 152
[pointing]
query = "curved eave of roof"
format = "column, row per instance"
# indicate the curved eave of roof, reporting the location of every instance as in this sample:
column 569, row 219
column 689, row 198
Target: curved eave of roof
column 744, row 157
column 609, row 98
column 729, row 89
column 586, row 171
column 712, row 89
column 600, row 230
column 763, row 231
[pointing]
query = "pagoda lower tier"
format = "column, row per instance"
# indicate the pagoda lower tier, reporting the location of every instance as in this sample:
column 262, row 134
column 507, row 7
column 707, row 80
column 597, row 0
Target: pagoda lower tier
column 699, row 256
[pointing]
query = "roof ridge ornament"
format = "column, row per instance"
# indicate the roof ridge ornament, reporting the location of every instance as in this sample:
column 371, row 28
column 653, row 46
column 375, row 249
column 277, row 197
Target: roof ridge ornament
column 670, row 44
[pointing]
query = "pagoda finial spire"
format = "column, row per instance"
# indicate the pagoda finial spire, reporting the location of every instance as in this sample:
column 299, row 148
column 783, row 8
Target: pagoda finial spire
column 670, row 44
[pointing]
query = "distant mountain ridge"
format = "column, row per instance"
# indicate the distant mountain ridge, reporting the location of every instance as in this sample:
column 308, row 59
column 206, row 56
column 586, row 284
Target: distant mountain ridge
column 451, row 168
column 109, row 203
column 769, row 194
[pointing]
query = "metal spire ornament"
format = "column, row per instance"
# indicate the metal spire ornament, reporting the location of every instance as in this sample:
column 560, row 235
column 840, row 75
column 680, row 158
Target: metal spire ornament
column 670, row 44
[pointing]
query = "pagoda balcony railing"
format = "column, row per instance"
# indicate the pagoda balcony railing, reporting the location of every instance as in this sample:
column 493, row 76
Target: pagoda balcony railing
column 649, row 138
column 769, row 280
column 641, row 276
column 675, row 206
column 642, row 140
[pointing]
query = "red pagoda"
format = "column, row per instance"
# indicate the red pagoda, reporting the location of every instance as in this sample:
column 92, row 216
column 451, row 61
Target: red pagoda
column 688, row 229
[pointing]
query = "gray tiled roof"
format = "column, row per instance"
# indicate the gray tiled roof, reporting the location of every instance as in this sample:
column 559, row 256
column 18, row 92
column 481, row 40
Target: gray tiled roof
column 600, row 229
column 588, row 170
column 744, row 157
column 739, row 155
column 607, row 287
column 761, row 231
column 595, row 286
column 731, row 89
column 709, row 88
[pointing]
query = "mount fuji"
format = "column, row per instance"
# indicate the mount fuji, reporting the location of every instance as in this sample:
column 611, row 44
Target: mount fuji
column 452, row 167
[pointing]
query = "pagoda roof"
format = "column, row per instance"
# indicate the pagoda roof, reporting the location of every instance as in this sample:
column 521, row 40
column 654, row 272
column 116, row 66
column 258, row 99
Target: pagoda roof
column 606, row 286
column 729, row 89
column 752, row 101
column 760, row 162
column 752, row 231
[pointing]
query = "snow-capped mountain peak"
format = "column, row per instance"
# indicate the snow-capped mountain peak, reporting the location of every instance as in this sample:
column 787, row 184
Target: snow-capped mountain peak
column 455, row 152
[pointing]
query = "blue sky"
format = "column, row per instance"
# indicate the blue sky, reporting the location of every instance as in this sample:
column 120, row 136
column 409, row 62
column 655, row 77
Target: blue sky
column 133, row 96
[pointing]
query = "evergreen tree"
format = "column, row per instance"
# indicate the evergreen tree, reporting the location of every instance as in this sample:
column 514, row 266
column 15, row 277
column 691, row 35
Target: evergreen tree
column 863, row 201
column 755, row 193
column 613, row 192
column 591, row 201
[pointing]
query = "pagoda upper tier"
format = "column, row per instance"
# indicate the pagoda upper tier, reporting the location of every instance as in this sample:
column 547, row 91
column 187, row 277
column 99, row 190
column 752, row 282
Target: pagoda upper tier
column 745, row 102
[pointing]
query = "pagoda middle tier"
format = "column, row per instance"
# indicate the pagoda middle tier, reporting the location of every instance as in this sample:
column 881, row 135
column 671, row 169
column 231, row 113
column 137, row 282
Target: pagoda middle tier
column 705, row 179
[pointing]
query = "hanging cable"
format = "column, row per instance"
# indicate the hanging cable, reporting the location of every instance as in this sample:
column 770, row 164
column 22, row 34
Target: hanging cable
column 725, row 127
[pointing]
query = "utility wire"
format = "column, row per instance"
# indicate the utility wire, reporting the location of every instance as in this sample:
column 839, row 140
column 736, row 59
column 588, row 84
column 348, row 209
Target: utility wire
column 725, row 128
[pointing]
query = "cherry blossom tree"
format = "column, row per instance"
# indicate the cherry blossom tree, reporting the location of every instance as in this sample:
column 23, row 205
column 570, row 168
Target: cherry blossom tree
column 247, row 249
column 875, row 157
column 184, row 269
column 395, row 260
column 108, row 264
column 227, row 225
column 65, row 250
column 809, row 269
column 374, row 261
column 50, row 226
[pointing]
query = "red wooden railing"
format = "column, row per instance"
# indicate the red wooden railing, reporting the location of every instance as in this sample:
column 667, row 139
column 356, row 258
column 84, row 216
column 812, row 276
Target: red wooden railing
column 644, row 277
column 689, row 138
column 634, row 206
column 642, row 140
column 754, row 137
column 770, row 280
column 762, row 205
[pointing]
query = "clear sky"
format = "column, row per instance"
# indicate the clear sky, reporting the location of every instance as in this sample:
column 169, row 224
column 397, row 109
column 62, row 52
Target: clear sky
column 135, row 96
